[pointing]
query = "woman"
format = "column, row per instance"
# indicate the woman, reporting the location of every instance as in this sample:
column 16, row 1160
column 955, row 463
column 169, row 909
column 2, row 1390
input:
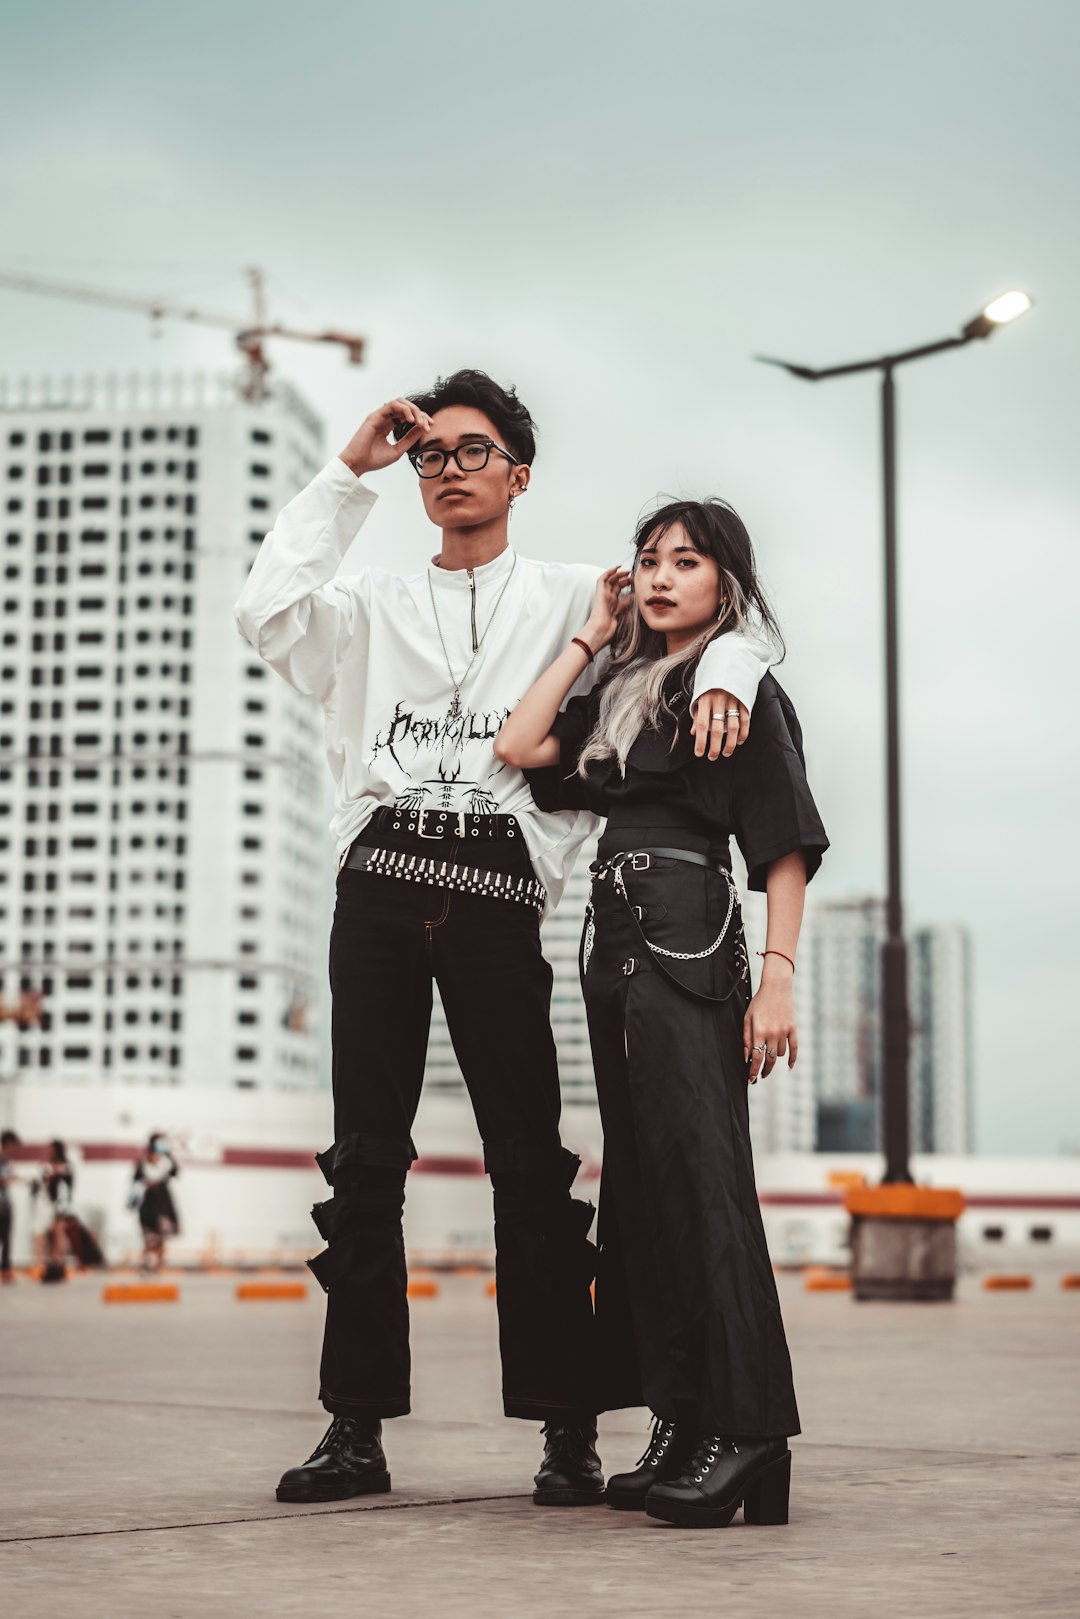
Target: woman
column 150, row 1194
column 52, row 1192
column 688, row 1318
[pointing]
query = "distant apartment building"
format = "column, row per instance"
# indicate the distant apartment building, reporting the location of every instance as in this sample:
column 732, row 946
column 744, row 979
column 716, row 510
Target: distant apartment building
column 162, row 823
column 832, row 1100
column 942, row 1110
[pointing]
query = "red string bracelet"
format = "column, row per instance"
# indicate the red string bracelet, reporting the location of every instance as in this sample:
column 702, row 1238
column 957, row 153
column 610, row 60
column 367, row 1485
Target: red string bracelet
column 788, row 959
column 584, row 645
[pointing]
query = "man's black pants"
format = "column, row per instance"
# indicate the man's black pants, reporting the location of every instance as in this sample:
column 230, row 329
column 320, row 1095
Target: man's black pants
column 390, row 938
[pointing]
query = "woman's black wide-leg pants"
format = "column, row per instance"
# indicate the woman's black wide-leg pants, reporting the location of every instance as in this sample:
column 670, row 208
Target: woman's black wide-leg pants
column 688, row 1319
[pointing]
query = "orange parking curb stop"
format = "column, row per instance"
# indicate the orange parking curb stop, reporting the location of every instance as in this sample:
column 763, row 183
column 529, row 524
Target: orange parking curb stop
column 817, row 1280
column 1071, row 1283
column 140, row 1293
column 271, row 1290
column 424, row 1287
column 490, row 1289
column 1007, row 1284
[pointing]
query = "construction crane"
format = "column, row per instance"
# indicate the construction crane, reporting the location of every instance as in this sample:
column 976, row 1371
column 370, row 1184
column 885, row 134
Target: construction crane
column 250, row 336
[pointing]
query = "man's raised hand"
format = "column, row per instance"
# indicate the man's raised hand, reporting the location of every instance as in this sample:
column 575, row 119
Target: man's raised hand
column 370, row 448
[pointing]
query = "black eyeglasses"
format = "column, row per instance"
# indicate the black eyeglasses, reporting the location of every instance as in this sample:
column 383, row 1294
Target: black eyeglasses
column 471, row 457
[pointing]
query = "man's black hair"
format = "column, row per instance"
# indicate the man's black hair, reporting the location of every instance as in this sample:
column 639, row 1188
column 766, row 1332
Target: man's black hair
column 9, row 1139
column 501, row 406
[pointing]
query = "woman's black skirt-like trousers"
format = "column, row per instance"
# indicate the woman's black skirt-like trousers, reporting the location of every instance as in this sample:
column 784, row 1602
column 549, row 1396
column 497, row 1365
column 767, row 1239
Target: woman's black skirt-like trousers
column 688, row 1319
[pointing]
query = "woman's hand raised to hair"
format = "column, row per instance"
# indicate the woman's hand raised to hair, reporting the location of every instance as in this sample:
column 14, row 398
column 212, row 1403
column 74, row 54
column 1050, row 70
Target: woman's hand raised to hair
column 370, row 449
column 609, row 606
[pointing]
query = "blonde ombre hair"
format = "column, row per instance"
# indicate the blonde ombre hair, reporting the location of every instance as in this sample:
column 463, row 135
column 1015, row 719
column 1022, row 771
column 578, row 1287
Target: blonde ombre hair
column 636, row 694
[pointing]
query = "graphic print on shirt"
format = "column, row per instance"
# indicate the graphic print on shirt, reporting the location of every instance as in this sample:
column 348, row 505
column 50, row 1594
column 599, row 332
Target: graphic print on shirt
column 461, row 740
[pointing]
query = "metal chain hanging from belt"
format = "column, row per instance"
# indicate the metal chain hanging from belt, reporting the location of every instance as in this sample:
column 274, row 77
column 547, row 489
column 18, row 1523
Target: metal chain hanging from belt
column 682, row 955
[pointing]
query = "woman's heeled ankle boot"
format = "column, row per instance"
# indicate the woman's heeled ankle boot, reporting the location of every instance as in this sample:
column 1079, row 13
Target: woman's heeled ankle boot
column 721, row 1475
column 665, row 1457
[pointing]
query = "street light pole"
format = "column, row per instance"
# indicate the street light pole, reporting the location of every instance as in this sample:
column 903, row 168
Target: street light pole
column 896, row 1104
column 896, row 1132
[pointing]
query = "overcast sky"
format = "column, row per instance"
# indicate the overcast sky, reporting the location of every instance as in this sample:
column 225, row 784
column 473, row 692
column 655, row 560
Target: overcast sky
column 615, row 205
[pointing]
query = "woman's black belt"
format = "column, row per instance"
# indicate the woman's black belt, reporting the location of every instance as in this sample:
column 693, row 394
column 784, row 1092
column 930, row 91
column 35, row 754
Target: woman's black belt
column 641, row 859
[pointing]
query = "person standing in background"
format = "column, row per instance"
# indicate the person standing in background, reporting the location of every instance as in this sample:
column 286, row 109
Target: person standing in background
column 52, row 1192
column 150, row 1194
column 7, row 1175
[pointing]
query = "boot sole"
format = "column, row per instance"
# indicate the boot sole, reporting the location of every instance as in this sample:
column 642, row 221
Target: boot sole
column 691, row 1517
column 568, row 1498
column 376, row 1484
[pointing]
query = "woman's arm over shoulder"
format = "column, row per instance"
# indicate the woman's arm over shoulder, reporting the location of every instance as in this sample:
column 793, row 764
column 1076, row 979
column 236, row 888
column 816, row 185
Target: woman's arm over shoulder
column 297, row 615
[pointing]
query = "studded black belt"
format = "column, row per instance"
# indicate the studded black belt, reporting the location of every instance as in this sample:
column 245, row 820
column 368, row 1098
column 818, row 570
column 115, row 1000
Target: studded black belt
column 439, row 873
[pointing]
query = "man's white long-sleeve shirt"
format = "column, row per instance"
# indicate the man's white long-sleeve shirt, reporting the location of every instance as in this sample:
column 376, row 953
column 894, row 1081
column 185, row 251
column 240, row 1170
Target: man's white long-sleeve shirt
column 367, row 646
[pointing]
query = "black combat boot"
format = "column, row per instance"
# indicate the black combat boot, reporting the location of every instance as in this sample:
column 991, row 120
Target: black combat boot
column 665, row 1457
column 348, row 1460
column 721, row 1475
column 570, row 1473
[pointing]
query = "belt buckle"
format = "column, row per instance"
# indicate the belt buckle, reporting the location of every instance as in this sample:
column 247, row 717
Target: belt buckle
column 459, row 819
column 640, row 862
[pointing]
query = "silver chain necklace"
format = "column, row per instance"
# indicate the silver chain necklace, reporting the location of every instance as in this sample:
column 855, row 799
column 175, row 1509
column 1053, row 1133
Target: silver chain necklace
column 454, row 712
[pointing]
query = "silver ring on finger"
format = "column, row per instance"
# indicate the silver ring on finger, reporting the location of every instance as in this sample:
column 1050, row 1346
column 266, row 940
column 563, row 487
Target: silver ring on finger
column 731, row 713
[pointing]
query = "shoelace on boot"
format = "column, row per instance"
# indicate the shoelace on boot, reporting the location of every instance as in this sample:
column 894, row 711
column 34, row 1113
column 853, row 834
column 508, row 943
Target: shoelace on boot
column 706, row 1456
column 659, row 1440
column 342, row 1431
column 331, row 1434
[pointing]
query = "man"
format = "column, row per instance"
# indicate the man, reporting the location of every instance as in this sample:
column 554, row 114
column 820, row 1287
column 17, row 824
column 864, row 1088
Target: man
column 446, row 866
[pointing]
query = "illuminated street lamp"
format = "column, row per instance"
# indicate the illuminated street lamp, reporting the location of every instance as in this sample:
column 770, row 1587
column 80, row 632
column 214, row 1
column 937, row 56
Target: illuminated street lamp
column 896, row 1131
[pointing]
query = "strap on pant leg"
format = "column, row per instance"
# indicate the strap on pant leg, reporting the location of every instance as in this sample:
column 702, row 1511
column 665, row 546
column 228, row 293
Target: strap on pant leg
column 368, row 1177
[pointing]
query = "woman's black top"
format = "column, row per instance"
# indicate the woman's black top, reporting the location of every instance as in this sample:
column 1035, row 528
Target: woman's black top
column 760, row 795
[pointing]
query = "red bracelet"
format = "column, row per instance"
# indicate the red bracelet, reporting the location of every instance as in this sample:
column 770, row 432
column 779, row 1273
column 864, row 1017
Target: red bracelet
column 585, row 647
column 788, row 959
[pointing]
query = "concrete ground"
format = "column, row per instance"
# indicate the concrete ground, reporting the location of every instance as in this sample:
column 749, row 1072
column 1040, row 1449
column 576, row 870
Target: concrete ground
column 939, row 1473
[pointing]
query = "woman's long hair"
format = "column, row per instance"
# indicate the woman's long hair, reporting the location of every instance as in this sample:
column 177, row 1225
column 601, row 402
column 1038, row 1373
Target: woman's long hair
column 637, row 694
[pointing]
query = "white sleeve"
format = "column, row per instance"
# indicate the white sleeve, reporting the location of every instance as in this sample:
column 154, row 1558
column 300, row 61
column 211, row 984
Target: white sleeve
column 734, row 663
column 296, row 615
